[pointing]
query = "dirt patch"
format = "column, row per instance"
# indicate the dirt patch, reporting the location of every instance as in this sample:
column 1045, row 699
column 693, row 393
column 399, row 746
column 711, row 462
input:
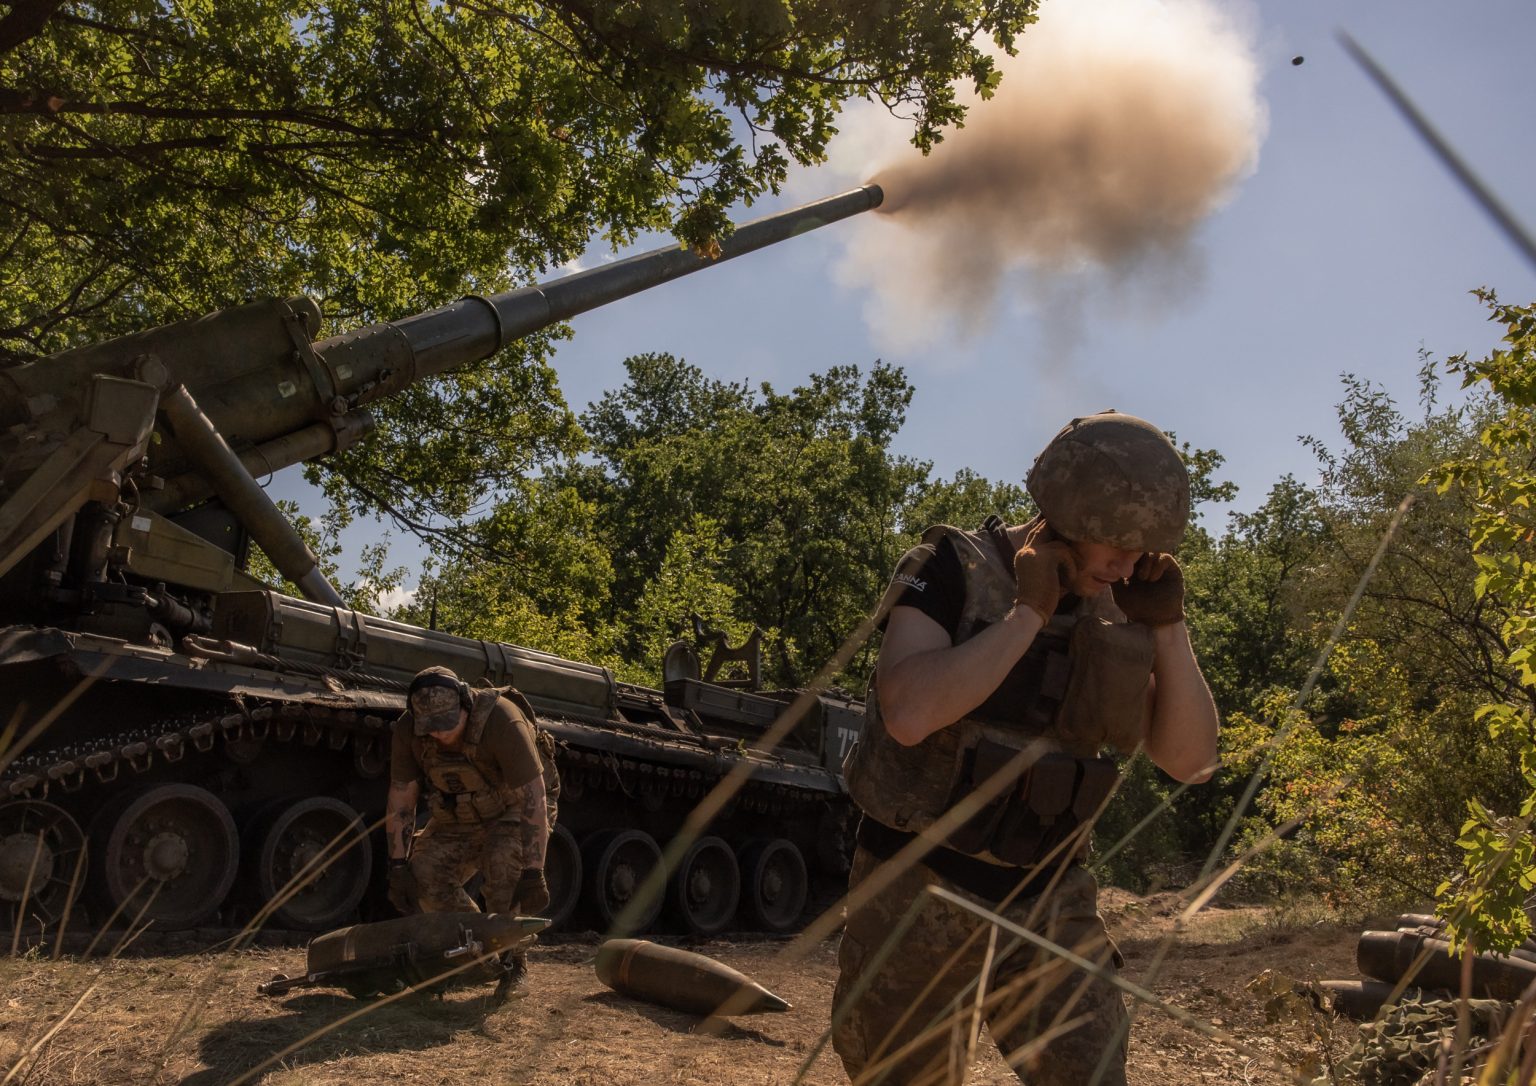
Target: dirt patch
column 197, row 1019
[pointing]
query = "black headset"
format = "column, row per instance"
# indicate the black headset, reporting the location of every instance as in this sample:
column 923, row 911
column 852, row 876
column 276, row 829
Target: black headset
column 432, row 678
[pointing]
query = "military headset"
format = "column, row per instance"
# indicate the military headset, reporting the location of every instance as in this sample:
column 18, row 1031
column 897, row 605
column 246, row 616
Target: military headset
column 437, row 678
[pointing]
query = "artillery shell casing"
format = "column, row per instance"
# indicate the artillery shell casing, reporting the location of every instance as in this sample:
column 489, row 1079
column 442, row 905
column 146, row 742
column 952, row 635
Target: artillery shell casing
column 1363, row 999
column 1388, row 955
column 680, row 979
column 1427, row 924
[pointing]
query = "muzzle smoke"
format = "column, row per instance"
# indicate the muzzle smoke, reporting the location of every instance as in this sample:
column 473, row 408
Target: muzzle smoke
column 1118, row 127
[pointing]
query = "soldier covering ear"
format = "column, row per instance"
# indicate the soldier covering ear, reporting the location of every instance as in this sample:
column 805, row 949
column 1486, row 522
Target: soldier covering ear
column 1012, row 658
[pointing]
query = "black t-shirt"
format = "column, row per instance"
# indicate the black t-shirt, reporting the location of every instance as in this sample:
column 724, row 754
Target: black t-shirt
column 937, row 588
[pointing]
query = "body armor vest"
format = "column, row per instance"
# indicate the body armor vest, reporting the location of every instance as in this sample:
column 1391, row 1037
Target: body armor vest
column 465, row 787
column 1081, row 685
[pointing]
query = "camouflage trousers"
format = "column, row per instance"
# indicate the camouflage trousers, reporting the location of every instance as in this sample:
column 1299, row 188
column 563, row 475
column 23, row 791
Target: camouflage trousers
column 911, row 1023
column 445, row 857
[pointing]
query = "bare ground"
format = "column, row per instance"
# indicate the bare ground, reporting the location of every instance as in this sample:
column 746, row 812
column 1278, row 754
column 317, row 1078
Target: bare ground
column 197, row 1019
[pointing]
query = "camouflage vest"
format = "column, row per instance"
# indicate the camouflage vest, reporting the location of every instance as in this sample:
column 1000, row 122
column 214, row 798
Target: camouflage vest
column 465, row 787
column 1082, row 684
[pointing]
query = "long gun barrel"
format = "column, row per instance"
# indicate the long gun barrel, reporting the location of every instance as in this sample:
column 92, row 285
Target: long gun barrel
column 475, row 328
column 248, row 391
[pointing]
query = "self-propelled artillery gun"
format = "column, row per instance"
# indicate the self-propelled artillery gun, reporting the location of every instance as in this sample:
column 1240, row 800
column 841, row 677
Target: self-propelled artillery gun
column 190, row 747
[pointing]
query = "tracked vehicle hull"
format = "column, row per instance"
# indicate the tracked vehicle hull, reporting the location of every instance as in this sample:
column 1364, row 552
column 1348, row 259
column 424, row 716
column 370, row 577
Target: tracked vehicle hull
column 202, row 784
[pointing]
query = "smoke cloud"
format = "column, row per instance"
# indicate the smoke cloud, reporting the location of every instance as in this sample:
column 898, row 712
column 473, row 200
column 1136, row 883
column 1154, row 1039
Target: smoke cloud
column 1118, row 127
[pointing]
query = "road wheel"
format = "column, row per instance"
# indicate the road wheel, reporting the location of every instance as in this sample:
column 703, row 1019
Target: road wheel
column 42, row 852
column 562, row 870
column 706, row 887
column 774, row 884
column 314, row 860
column 618, row 863
column 167, row 854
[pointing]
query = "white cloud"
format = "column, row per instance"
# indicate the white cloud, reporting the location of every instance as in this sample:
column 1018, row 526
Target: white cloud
column 395, row 598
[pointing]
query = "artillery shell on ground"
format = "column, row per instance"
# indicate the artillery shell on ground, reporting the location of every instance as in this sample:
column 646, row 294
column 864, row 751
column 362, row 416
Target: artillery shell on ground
column 410, row 951
column 1428, row 924
column 1388, row 955
column 1362, row 999
column 680, row 979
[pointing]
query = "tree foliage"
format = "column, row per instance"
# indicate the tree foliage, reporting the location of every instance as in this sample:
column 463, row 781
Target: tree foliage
column 1485, row 904
column 786, row 503
column 1369, row 787
column 165, row 159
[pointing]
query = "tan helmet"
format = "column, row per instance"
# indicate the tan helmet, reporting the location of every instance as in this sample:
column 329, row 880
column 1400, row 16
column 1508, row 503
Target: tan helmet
column 1115, row 479
column 436, row 697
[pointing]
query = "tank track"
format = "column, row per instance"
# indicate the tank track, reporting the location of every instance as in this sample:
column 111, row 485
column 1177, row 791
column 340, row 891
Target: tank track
column 70, row 769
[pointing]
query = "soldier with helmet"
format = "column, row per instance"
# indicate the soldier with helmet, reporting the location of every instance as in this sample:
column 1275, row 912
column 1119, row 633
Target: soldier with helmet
column 476, row 753
column 1012, row 658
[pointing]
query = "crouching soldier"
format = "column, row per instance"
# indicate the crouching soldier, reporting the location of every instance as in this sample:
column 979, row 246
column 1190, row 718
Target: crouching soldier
column 478, row 754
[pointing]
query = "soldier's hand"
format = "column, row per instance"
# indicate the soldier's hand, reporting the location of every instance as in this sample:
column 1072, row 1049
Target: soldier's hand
column 1154, row 593
column 1042, row 570
column 402, row 887
column 532, row 896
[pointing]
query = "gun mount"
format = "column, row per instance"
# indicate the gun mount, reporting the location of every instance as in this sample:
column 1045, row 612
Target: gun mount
column 184, row 740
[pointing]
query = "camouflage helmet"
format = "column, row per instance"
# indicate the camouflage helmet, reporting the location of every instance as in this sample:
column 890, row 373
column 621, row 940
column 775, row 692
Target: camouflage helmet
column 436, row 696
column 1115, row 479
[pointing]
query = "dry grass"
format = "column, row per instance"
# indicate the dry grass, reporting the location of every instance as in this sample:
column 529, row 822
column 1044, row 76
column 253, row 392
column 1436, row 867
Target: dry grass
column 572, row 1031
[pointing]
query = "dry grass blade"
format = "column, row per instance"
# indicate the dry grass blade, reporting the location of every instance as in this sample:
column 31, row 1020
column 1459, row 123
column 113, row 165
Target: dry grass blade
column 1490, row 203
column 26, row 894
column 69, row 902
column 973, row 1034
column 31, row 1053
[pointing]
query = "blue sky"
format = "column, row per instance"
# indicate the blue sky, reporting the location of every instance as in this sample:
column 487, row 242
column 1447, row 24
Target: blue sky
column 1348, row 249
